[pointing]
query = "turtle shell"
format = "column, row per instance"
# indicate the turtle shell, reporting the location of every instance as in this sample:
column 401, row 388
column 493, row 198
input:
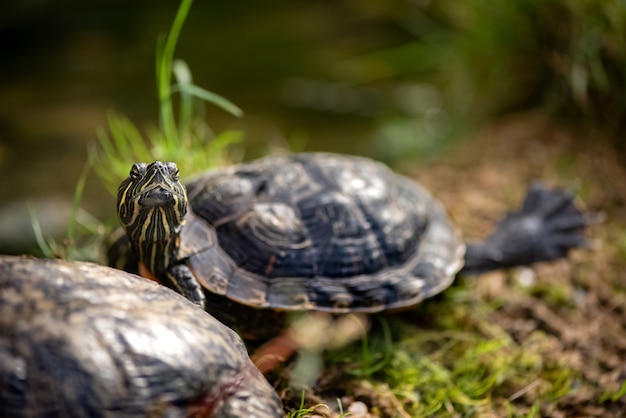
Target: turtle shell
column 81, row 340
column 318, row 232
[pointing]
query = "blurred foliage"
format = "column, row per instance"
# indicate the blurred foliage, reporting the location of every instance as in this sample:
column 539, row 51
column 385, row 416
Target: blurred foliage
column 489, row 58
column 565, row 55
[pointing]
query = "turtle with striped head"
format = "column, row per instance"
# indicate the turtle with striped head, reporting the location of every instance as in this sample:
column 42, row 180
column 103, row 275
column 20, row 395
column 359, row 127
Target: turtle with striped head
column 318, row 232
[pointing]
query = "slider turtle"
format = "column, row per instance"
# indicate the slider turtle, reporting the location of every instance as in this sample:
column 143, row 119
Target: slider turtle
column 83, row 340
column 317, row 232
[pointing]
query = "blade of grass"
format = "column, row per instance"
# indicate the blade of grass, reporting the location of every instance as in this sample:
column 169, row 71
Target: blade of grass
column 368, row 367
column 184, row 80
column 134, row 138
column 215, row 148
column 77, row 198
column 211, row 97
column 43, row 245
column 164, row 71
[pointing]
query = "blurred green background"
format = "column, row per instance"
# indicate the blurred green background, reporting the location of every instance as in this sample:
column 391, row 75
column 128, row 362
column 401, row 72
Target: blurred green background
column 399, row 81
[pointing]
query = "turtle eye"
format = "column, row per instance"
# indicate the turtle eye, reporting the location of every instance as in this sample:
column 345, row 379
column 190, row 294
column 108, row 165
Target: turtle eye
column 137, row 171
column 173, row 170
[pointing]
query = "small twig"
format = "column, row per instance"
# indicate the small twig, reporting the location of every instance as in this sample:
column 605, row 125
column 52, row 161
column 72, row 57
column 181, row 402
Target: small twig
column 524, row 390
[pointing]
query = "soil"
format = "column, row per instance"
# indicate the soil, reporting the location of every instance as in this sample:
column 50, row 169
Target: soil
column 477, row 182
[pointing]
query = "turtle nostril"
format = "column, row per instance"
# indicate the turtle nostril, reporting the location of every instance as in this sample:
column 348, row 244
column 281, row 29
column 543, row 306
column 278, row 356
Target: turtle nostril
column 157, row 197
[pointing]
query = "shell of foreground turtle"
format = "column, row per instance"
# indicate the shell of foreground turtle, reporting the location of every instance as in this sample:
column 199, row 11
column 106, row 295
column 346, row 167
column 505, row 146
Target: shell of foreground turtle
column 318, row 232
column 81, row 340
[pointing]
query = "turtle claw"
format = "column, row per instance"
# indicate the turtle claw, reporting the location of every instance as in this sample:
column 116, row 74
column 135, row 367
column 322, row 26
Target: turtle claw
column 182, row 280
column 549, row 203
column 547, row 227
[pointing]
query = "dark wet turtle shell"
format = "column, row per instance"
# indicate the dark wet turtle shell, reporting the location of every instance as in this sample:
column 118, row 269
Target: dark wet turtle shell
column 318, row 232
column 81, row 340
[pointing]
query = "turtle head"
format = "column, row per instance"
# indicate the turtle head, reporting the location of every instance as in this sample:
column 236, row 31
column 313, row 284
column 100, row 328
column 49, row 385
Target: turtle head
column 151, row 206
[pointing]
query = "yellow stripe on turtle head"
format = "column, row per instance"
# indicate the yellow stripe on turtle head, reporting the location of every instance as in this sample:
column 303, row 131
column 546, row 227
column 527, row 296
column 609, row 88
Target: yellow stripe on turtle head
column 151, row 206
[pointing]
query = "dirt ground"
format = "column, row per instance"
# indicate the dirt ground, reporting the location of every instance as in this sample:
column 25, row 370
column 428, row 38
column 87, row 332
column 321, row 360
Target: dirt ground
column 485, row 176
column 495, row 168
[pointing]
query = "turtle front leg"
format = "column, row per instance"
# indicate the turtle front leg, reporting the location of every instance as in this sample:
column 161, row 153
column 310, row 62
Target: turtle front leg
column 180, row 278
column 546, row 227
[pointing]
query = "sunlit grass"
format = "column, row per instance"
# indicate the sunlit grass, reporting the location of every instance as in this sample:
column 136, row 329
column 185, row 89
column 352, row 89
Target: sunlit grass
column 84, row 232
column 458, row 372
column 303, row 412
column 184, row 138
column 459, row 363
column 614, row 396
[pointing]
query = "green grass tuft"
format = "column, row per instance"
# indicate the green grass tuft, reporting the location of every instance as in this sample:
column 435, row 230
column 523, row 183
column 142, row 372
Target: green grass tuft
column 614, row 396
column 374, row 357
column 458, row 363
column 84, row 232
column 303, row 412
column 186, row 139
